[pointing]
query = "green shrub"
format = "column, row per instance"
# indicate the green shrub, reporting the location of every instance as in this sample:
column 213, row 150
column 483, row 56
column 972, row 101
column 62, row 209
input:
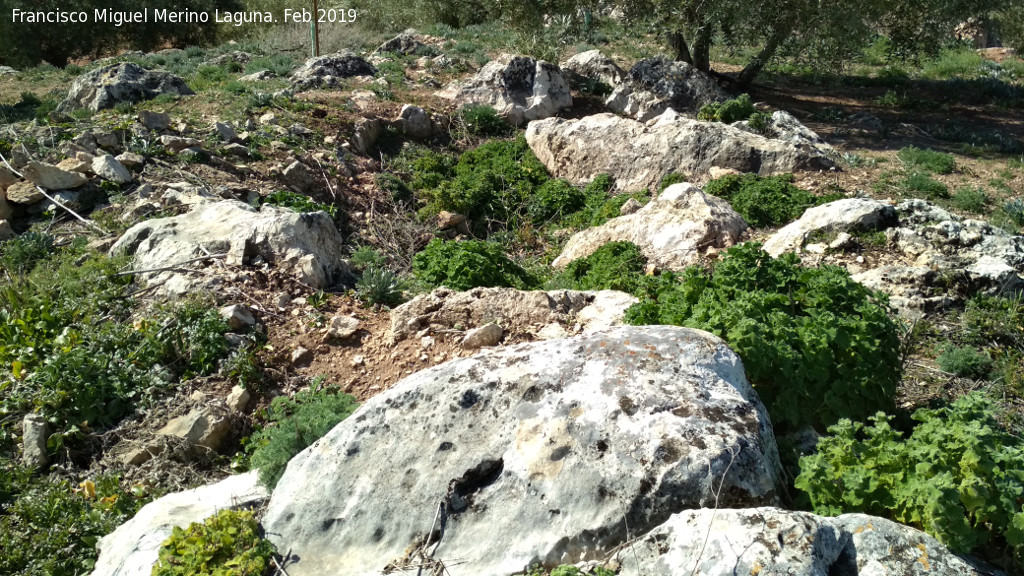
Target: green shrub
column 298, row 202
column 763, row 201
column 225, row 544
column 50, row 528
column 280, row 64
column 807, row 336
column 553, row 200
column 429, row 169
column 929, row 160
column 958, row 476
column 483, row 120
column 921, row 183
column 966, row 362
column 1014, row 209
column 468, row 264
column 971, row 199
column 396, row 188
column 670, row 179
column 21, row 253
column 378, row 285
column 614, row 266
column 730, row 111
column 993, row 321
column 365, row 256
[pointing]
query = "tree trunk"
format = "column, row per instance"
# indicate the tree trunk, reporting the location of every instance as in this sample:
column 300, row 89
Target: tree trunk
column 702, row 49
column 677, row 43
column 779, row 35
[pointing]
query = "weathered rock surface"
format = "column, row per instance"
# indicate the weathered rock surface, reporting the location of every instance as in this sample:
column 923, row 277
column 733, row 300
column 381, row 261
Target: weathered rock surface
column 673, row 230
column 206, row 427
column 594, row 66
column 105, row 87
column 517, row 311
column 108, row 168
column 657, row 84
column 342, row 326
column 34, row 433
column 24, row 193
column 542, row 452
column 404, row 44
column 154, row 120
column 52, row 178
column 774, row 541
column 134, row 547
column 486, row 335
column 520, row 88
column 414, row 122
column 329, row 71
column 637, row 156
column 841, row 215
column 307, row 245
column 238, row 316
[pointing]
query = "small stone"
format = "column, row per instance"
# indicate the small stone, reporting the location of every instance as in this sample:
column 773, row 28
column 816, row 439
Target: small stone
column 6, row 232
column 716, row 172
column 238, row 399
column 238, row 316
column 74, row 165
column 631, row 206
column 131, row 159
column 552, row 331
column 358, row 361
column 415, row 122
column 301, row 356
column 198, row 396
column 842, row 241
column 343, row 326
column 226, row 132
column 35, row 431
column 486, row 335
column 446, row 220
column 426, row 342
column 50, row 177
column 6, row 177
column 282, row 299
column 201, row 427
column 154, row 120
column 236, row 150
column 268, row 118
column 177, row 143
column 815, row 248
column 107, row 167
column 24, row 193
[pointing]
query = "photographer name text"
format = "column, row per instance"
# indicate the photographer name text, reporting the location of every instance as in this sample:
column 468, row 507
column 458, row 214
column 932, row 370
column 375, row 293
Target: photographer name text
column 120, row 18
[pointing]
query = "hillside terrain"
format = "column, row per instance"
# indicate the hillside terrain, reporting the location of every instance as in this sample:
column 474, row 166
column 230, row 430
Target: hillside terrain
column 453, row 303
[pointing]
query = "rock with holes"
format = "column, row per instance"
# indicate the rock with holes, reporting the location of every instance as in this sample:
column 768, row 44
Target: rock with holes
column 330, row 71
column 637, row 155
column 654, row 85
column 674, row 230
column 771, row 541
column 134, row 547
column 536, row 453
column 520, row 88
column 109, row 85
column 305, row 245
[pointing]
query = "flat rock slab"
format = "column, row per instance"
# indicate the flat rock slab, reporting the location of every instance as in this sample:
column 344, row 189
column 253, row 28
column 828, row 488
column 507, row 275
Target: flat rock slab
column 51, row 177
column 638, row 156
column 770, row 541
column 133, row 548
column 540, row 452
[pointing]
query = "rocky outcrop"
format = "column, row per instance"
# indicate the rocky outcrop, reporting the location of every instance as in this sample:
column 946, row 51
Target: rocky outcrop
column 133, row 548
column 517, row 311
column 657, row 84
column 329, row 71
column 591, row 66
column 538, row 453
column 673, row 230
column 105, row 87
column 307, row 245
column 520, row 88
column 404, row 44
column 51, row 177
column 637, row 156
column 774, row 541
column 858, row 214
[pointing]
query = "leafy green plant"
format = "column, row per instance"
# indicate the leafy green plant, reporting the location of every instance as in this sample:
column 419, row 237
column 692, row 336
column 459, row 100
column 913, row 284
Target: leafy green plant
column 614, row 266
column 225, row 544
column 298, row 202
column 378, row 285
column 807, row 336
column 929, row 160
column 483, row 120
column 763, row 201
column 958, row 476
column 468, row 264
column 21, row 253
column 967, row 362
column 365, row 256
column 971, row 199
column 554, row 200
column 294, row 423
column 740, row 108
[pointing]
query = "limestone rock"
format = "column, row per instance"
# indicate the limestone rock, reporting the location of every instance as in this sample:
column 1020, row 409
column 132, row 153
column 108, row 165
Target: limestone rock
column 299, row 178
column 130, row 159
column 486, row 335
column 177, row 143
column 108, row 168
column 238, row 316
column 520, row 88
column 34, row 433
column 630, row 207
column 206, row 427
column 329, row 71
column 774, row 541
column 133, row 548
column 415, row 123
column 307, row 245
column 50, row 177
column 225, row 131
column 238, row 399
column 154, row 120
column 367, row 132
column 575, row 439
column 841, row 215
column 6, row 232
column 672, row 231
column 594, row 66
column 6, row 177
column 75, row 165
column 404, row 44
column 342, row 326
column 517, row 311
column 109, row 85
column 637, row 156
column 657, row 84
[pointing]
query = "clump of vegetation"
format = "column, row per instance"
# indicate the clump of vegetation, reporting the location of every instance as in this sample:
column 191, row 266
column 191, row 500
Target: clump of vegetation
column 958, row 476
column 763, row 201
column 971, row 199
column 468, row 264
column 740, row 108
column 379, row 286
column 53, row 527
column 483, row 120
column 554, row 200
column 920, row 183
column 293, row 424
column 225, row 544
column 298, row 203
column 396, row 188
column 966, row 362
column 21, row 253
column 614, row 266
column 1014, row 210
column 365, row 256
column 928, row 160
column 807, row 336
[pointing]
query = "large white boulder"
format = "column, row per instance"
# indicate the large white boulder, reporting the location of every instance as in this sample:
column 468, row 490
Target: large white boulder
column 330, row 70
column 541, row 452
column 654, row 85
column 674, row 230
column 520, row 88
column 839, row 216
column 105, row 87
